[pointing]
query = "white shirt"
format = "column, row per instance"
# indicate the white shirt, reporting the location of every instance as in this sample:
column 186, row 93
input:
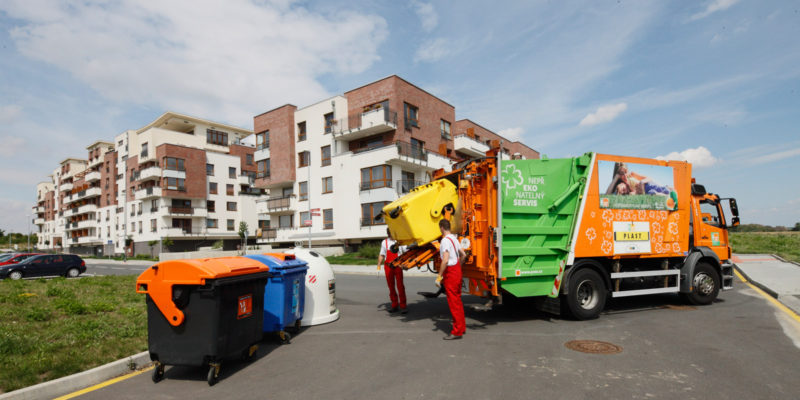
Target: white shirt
column 450, row 245
column 387, row 243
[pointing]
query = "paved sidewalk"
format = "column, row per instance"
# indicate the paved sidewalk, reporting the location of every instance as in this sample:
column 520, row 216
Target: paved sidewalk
column 372, row 270
column 781, row 277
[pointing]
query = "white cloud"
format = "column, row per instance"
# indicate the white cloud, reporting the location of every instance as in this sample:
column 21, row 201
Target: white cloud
column 512, row 134
column 9, row 113
column 714, row 6
column 433, row 50
column 699, row 157
column 603, row 114
column 427, row 15
column 224, row 60
column 776, row 156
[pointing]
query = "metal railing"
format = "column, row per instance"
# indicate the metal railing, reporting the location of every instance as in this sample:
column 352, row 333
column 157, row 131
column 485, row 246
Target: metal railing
column 261, row 175
column 269, row 233
column 371, row 221
column 355, row 121
column 279, row 202
column 378, row 184
column 180, row 210
column 413, row 151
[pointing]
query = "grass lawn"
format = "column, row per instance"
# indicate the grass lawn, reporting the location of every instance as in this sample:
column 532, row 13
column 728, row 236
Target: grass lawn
column 784, row 244
column 56, row 327
column 352, row 259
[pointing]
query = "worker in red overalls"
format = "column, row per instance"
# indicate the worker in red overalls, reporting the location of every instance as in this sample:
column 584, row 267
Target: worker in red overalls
column 394, row 275
column 452, row 255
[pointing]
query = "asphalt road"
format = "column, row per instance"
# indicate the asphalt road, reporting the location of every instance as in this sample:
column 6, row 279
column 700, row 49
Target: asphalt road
column 100, row 267
column 740, row 347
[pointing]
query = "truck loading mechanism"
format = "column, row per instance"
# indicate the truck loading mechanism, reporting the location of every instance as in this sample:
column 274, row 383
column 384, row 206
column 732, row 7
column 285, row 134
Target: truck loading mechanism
column 572, row 231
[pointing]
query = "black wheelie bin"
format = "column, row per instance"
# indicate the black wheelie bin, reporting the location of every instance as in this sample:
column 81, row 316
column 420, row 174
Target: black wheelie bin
column 203, row 311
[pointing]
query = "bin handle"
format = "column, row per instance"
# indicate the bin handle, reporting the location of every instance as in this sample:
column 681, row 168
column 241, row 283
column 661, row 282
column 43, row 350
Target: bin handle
column 162, row 296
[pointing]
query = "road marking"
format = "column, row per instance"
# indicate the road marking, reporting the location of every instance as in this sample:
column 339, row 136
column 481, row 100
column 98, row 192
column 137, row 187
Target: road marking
column 103, row 384
column 777, row 303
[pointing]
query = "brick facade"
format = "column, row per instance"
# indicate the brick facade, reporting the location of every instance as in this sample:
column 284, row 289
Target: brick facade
column 280, row 124
column 108, row 179
column 195, row 165
column 483, row 135
column 242, row 152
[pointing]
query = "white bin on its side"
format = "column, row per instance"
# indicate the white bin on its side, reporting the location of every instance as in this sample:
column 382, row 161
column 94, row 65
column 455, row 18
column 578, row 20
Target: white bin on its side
column 320, row 303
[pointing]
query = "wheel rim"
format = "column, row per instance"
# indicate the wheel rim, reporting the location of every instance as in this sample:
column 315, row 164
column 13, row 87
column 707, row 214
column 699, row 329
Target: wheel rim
column 73, row 273
column 15, row 275
column 704, row 283
column 587, row 295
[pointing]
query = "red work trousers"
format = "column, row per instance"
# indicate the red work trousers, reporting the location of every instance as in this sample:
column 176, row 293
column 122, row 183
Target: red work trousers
column 394, row 276
column 452, row 287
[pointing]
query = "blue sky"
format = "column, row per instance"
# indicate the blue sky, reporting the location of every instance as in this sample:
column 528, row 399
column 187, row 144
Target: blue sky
column 716, row 82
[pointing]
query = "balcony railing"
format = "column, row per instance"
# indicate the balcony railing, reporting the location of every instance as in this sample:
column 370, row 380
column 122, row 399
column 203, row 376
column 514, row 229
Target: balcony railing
column 279, row 202
column 365, row 124
column 268, row 233
column 372, row 221
column 375, row 185
column 405, row 186
column 180, row 210
column 413, row 151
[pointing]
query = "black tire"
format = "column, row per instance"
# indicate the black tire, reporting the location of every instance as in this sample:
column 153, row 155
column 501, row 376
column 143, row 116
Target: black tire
column 212, row 377
column 158, row 373
column 286, row 337
column 705, row 285
column 15, row 275
column 587, row 294
column 73, row 273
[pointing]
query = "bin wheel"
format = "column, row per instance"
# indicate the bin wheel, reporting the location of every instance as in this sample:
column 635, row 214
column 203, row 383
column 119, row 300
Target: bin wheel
column 286, row 338
column 296, row 327
column 213, row 374
column 158, row 372
column 249, row 353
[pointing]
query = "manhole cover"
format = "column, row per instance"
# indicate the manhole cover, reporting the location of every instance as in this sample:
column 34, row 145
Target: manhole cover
column 679, row 307
column 593, row 347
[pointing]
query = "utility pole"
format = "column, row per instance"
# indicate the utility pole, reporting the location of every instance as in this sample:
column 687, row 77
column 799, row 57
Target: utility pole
column 308, row 193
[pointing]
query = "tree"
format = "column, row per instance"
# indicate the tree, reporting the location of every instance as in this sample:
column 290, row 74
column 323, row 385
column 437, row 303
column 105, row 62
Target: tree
column 796, row 227
column 166, row 242
column 243, row 234
column 151, row 244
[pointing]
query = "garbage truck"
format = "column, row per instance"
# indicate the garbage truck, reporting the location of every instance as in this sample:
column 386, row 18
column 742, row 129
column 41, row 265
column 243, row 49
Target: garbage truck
column 571, row 232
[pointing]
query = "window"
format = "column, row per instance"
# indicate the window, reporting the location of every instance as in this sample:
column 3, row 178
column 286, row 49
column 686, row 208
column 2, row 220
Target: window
column 152, row 225
column 303, row 158
column 369, row 212
column 143, row 154
column 210, row 169
column 301, row 131
column 212, row 187
column 411, row 115
column 211, row 206
column 153, row 206
column 285, row 221
column 710, row 213
column 326, row 155
column 231, row 206
column 375, row 177
column 305, row 220
column 230, row 224
column 175, row 164
column 287, row 191
column 329, row 122
column 327, row 218
column 445, row 128
column 327, row 185
column 211, row 224
column 262, row 140
column 303, row 186
column 229, row 189
column 232, row 172
column 176, row 184
column 248, row 159
column 263, row 169
column 214, row 136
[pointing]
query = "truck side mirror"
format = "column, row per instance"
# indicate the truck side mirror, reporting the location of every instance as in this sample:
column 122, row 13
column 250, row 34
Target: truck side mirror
column 734, row 208
column 735, row 222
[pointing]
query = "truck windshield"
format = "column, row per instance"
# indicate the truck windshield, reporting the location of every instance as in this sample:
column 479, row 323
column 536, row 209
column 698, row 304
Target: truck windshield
column 710, row 213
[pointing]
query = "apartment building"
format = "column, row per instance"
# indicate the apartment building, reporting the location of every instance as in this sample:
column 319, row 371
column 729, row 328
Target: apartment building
column 333, row 165
column 183, row 178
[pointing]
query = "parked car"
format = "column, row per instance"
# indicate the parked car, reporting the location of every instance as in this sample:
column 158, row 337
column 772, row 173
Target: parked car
column 68, row 265
column 17, row 258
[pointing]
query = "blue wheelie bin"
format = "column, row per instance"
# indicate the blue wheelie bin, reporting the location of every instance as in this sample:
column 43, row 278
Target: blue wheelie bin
column 284, row 293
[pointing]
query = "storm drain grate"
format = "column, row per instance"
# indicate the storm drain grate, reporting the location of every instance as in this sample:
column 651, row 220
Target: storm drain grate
column 593, row 347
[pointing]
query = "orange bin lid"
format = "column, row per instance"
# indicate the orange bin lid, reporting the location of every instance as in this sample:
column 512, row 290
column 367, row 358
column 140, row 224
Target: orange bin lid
column 157, row 281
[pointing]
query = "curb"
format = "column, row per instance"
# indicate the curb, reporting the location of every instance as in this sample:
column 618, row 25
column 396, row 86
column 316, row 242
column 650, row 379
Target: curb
column 784, row 260
column 756, row 284
column 81, row 380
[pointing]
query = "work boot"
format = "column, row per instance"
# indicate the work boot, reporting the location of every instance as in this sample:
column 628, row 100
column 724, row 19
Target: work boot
column 450, row 336
column 393, row 310
column 403, row 311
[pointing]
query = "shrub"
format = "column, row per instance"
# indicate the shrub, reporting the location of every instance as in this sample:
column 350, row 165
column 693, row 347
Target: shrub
column 370, row 250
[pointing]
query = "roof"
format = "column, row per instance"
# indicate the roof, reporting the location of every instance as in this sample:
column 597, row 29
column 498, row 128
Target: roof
column 276, row 108
column 68, row 159
column 171, row 114
column 509, row 141
column 396, row 76
column 99, row 143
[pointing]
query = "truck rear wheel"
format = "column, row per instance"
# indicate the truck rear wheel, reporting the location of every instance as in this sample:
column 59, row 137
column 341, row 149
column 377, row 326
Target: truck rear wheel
column 587, row 294
column 705, row 285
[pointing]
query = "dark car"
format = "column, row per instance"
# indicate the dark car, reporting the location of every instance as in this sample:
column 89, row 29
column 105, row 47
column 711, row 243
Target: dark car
column 16, row 258
column 68, row 265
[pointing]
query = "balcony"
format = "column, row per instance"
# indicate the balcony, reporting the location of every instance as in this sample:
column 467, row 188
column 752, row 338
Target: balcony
column 83, row 209
column 65, row 187
column 89, row 240
column 93, row 162
column 467, row 145
column 150, row 173
column 148, row 193
column 405, row 186
column 38, row 209
column 171, row 173
column 92, row 176
column 247, row 180
column 366, row 124
column 194, row 212
column 281, row 205
column 179, row 232
column 38, row 221
column 267, row 233
column 71, row 226
column 91, row 192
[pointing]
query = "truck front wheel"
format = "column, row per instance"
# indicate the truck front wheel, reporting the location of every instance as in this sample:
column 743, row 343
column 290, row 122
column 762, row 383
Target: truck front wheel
column 705, row 285
column 587, row 294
